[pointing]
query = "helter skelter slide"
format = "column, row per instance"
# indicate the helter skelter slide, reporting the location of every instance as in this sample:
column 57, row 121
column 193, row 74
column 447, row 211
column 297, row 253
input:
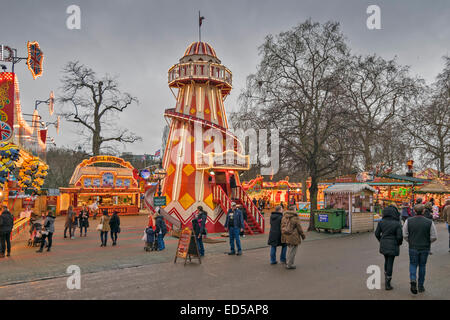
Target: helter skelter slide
column 198, row 144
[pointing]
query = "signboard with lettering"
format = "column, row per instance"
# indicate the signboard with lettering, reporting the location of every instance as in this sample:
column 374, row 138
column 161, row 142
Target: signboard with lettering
column 323, row 218
column 187, row 246
column 159, row 201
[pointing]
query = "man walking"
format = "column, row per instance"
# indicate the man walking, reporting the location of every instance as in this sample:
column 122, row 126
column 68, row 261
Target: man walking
column 291, row 234
column 234, row 224
column 446, row 216
column 420, row 232
column 6, row 226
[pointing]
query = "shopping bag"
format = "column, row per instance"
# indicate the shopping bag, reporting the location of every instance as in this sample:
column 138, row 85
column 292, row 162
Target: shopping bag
column 100, row 226
column 144, row 237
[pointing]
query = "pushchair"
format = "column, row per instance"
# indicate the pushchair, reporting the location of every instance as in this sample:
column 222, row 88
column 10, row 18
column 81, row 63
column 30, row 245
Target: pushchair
column 36, row 235
column 151, row 242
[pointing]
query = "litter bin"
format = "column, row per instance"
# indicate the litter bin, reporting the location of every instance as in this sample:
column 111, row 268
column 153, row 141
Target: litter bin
column 329, row 219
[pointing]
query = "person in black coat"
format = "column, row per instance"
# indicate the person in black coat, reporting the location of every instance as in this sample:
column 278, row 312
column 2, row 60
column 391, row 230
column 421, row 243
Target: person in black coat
column 161, row 230
column 233, row 187
column 6, row 226
column 83, row 219
column 389, row 234
column 199, row 227
column 275, row 237
column 114, row 223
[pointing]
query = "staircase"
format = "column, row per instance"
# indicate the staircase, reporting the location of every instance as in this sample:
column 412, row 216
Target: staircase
column 255, row 221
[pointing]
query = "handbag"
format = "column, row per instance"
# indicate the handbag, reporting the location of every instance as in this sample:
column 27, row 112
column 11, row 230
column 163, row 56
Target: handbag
column 99, row 227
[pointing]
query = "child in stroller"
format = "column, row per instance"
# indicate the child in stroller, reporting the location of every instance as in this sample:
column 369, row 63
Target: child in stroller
column 150, row 239
column 35, row 235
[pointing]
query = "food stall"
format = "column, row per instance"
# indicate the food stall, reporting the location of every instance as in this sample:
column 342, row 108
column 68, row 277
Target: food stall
column 357, row 201
column 436, row 189
column 113, row 187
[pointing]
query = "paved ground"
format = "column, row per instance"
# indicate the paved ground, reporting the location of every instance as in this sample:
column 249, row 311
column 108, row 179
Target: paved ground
column 328, row 267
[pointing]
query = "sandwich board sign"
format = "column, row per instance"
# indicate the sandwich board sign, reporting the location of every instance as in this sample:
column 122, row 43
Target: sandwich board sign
column 187, row 246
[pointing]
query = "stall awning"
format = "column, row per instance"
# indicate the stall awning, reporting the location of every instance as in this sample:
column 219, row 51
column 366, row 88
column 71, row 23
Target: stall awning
column 435, row 187
column 348, row 188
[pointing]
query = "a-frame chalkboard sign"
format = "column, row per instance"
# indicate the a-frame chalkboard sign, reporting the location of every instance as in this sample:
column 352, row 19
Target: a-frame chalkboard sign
column 187, row 246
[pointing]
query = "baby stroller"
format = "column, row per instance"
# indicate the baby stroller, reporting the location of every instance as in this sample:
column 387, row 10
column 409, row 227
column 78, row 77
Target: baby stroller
column 35, row 235
column 150, row 239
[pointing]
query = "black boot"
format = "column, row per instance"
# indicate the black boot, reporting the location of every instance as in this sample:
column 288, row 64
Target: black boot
column 388, row 283
column 414, row 287
column 421, row 288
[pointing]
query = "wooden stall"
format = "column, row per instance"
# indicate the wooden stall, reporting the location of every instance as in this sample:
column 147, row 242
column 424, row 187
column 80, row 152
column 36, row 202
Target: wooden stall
column 357, row 201
column 113, row 187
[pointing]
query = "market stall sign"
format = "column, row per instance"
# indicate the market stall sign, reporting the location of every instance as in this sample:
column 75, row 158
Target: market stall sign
column 159, row 201
column 187, row 246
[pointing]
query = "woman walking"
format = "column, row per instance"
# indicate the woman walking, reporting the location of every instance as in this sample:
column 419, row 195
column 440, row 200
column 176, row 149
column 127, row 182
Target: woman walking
column 104, row 228
column 83, row 219
column 114, row 223
column 389, row 234
column 48, row 230
column 275, row 237
column 70, row 220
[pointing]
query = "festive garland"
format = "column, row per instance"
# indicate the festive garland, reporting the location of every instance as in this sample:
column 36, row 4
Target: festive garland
column 32, row 174
column 9, row 154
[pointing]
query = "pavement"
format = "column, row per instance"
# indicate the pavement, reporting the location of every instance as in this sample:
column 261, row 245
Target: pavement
column 329, row 266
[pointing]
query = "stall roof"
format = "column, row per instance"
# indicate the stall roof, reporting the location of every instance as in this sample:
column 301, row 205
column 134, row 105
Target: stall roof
column 348, row 188
column 436, row 187
column 405, row 178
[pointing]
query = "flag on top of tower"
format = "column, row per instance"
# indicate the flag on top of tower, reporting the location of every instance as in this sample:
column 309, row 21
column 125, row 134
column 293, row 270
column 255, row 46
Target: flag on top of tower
column 200, row 19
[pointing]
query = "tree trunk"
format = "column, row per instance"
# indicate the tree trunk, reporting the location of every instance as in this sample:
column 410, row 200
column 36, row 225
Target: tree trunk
column 304, row 188
column 96, row 144
column 313, row 190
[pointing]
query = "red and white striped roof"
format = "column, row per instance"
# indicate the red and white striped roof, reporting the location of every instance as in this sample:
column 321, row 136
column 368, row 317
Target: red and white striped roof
column 200, row 48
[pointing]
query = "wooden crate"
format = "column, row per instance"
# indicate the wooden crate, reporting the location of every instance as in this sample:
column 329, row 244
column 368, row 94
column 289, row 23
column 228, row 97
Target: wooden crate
column 362, row 222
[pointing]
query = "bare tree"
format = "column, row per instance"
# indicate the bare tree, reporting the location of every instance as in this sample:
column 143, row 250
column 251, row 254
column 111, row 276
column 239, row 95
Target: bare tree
column 94, row 103
column 375, row 90
column 428, row 120
column 297, row 89
column 62, row 163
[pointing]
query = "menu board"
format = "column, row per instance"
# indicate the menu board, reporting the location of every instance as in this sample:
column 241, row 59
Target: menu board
column 187, row 246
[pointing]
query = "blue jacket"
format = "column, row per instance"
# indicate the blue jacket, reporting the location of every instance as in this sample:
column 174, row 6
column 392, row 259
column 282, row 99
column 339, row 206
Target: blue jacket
column 238, row 219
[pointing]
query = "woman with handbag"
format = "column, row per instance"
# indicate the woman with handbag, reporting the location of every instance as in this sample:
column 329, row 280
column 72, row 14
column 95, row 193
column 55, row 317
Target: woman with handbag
column 114, row 223
column 47, row 231
column 104, row 228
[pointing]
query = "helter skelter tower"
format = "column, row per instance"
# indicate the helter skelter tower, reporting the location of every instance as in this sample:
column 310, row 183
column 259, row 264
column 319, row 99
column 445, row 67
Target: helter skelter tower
column 201, row 153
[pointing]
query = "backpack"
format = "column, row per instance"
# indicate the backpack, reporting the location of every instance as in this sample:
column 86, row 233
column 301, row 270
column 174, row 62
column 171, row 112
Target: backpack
column 288, row 228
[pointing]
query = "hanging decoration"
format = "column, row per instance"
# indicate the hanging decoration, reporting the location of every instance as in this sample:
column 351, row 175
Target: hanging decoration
column 35, row 59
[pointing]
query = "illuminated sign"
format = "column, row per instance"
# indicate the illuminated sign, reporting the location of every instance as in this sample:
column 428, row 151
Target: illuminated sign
column 6, row 54
column 7, row 93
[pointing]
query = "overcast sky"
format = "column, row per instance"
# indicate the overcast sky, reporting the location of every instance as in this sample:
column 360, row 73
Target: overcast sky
column 139, row 40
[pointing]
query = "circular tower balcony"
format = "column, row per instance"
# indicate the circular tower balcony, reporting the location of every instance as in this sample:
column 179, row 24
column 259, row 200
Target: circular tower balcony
column 200, row 64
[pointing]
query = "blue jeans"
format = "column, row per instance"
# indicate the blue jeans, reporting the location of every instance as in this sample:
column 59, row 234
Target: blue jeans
column 104, row 237
column 161, row 245
column 448, row 226
column 234, row 235
column 273, row 254
column 417, row 258
column 201, row 248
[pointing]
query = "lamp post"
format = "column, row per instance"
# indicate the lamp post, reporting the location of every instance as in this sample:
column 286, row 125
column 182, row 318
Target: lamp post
column 159, row 174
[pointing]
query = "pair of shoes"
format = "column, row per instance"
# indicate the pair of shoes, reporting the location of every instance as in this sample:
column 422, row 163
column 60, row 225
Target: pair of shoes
column 387, row 283
column 65, row 237
column 421, row 288
column 231, row 253
column 291, row 267
column 413, row 287
column 8, row 254
column 273, row 262
column 48, row 250
column 40, row 250
column 102, row 245
column 114, row 244
column 239, row 253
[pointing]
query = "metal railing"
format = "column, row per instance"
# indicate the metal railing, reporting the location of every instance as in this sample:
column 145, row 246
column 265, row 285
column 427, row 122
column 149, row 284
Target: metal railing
column 201, row 70
column 251, row 208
